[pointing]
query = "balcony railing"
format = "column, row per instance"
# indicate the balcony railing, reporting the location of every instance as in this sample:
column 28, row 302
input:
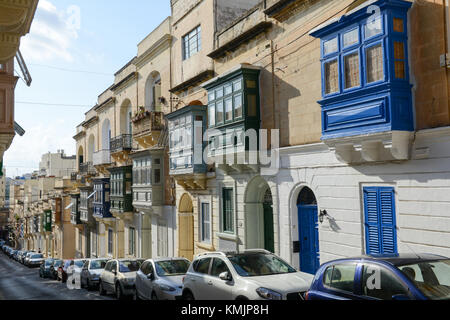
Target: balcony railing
column 87, row 168
column 121, row 143
column 147, row 122
column 102, row 157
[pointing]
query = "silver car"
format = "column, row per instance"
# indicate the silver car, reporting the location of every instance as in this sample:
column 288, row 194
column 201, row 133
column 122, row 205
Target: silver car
column 161, row 279
column 119, row 277
column 35, row 260
column 91, row 272
column 27, row 257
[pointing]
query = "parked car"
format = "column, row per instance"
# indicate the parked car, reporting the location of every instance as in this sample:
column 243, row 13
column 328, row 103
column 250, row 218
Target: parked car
column 252, row 275
column 62, row 270
column 90, row 274
column 16, row 254
column 383, row 277
column 35, row 260
column 119, row 277
column 75, row 268
column 161, row 279
column 27, row 257
column 54, row 268
column 22, row 256
column 44, row 269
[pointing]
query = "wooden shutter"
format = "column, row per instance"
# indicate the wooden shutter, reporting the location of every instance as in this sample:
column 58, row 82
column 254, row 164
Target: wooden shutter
column 380, row 225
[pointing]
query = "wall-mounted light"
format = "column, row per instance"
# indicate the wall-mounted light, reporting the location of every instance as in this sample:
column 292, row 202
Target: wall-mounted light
column 322, row 214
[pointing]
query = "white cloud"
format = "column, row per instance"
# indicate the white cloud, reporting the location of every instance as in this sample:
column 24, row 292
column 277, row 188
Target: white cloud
column 52, row 34
column 25, row 152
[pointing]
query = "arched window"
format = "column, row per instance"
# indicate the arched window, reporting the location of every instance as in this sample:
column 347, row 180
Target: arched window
column 306, row 197
column 153, row 92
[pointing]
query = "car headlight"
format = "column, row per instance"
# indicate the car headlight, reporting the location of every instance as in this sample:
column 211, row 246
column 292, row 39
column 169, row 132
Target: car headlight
column 268, row 294
column 165, row 287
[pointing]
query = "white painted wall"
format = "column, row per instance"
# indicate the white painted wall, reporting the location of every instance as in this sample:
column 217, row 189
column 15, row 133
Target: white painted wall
column 422, row 197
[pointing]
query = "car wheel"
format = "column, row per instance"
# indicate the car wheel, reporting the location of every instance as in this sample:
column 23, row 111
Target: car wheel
column 188, row 296
column 154, row 296
column 101, row 291
column 119, row 293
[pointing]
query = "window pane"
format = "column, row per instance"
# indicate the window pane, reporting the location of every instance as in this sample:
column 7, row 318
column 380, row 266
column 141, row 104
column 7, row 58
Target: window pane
column 351, row 37
column 228, row 212
column 341, row 277
column 330, row 46
column 157, row 175
column 211, row 96
column 387, row 287
column 212, row 115
column 373, row 28
column 238, row 106
column 218, row 267
column 374, row 63
column 219, row 93
column 331, row 77
column 251, row 105
column 399, row 54
column 228, row 89
column 398, row 25
column 219, row 110
column 351, row 63
column 237, row 85
column 228, row 109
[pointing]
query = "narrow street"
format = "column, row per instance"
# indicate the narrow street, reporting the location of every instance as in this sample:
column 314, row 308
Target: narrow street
column 18, row 282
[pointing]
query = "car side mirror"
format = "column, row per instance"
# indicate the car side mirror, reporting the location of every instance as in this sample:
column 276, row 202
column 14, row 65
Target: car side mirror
column 114, row 272
column 225, row 276
column 151, row 276
column 400, row 297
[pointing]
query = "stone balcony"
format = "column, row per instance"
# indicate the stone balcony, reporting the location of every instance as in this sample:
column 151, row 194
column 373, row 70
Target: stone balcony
column 147, row 128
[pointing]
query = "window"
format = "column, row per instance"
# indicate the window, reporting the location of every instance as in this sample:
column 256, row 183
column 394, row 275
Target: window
column 162, row 238
column 226, row 102
column 202, row 266
column 350, row 38
column 228, row 210
column 110, row 241
column 388, row 286
column 331, row 76
column 219, row 266
column 374, row 63
column 373, row 28
column 351, row 65
column 340, row 277
column 131, row 241
column 380, row 222
column 399, row 59
column 398, row 25
column 205, row 221
column 330, row 46
column 192, row 43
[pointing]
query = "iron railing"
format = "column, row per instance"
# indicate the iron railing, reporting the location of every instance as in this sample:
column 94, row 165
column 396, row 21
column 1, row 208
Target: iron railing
column 148, row 122
column 87, row 168
column 121, row 143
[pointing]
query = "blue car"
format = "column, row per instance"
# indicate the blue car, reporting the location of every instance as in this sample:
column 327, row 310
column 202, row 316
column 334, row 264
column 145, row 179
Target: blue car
column 394, row 277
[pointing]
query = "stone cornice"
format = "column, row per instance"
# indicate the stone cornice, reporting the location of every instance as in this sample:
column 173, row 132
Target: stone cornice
column 162, row 43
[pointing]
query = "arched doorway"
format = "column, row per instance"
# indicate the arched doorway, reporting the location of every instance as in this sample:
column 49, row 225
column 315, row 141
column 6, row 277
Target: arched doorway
column 91, row 148
column 259, row 221
column 153, row 92
column 186, row 228
column 308, row 228
column 80, row 156
column 125, row 118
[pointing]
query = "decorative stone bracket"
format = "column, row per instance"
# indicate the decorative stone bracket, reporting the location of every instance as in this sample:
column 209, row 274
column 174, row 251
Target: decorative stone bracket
column 386, row 146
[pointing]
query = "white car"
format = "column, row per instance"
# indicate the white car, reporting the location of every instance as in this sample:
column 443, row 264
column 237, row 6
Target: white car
column 161, row 279
column 251, row 275
column 119, row 277
column 74, row 270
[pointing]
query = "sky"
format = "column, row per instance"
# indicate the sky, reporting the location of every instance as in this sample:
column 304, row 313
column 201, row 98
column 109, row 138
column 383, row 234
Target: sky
column 72, row 52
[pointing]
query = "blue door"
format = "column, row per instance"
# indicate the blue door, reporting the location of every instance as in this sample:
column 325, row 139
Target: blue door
column 309, row 238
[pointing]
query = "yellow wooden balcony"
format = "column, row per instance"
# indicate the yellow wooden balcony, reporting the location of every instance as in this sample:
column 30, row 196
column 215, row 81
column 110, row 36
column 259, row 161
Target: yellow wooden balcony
column 147, row 127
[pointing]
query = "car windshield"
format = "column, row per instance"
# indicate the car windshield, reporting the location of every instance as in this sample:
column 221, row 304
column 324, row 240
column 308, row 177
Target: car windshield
column 259, row 264
column 79, row 263
column 431, row 278
column 129, row 266
column 57, row 262
column 37, row 256
column 48, row 262
column 98, row 264
column 171, row 268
